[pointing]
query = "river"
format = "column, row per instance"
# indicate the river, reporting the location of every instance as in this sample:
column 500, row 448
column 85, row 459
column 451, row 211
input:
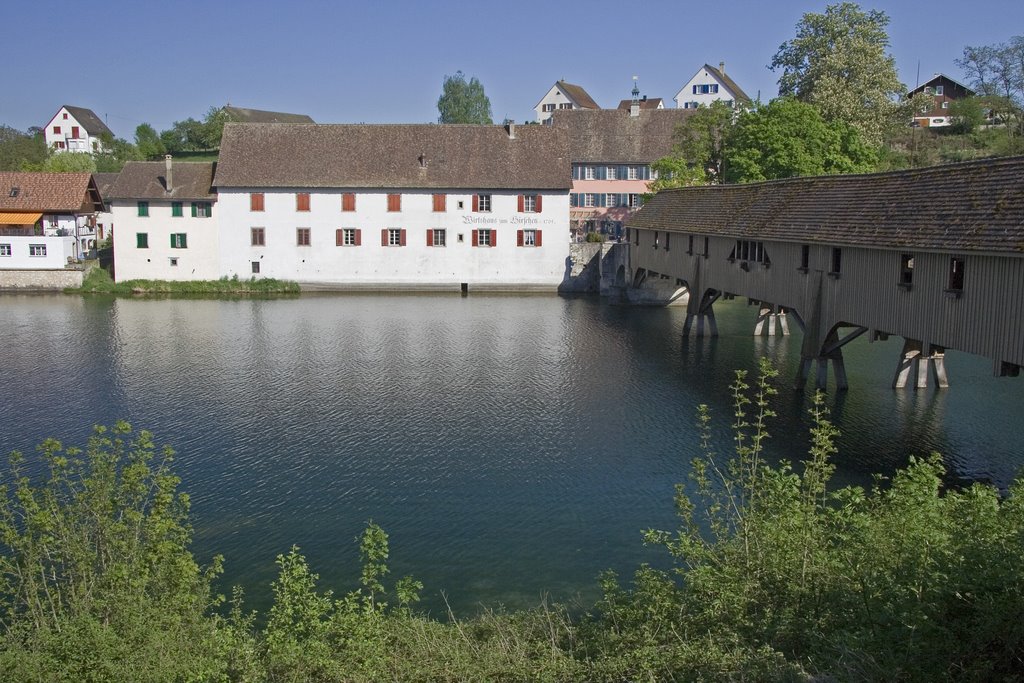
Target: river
column 512, row 446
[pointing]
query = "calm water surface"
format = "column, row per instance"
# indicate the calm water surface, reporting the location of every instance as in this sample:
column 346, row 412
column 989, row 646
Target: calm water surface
column 512, row 447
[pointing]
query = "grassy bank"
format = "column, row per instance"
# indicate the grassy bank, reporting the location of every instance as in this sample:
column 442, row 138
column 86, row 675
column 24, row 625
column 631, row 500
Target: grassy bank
column 98, row 281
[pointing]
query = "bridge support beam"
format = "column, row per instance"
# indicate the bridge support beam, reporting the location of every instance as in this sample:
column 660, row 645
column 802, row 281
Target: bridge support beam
column 703, row 314
column 770, row 317
column 915, row 363
column 832, row 351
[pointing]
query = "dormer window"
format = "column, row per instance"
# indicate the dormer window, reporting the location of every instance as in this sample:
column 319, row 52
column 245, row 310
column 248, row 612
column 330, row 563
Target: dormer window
column 15, row 191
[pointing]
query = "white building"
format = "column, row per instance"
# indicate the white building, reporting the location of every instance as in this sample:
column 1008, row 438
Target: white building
column 76, row 129
column 46, row 219
column 409, row 206
column 166, row 229
column 563, row 96
column 710, row 85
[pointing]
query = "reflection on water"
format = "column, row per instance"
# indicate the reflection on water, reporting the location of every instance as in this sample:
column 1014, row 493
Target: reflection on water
column 511, row 446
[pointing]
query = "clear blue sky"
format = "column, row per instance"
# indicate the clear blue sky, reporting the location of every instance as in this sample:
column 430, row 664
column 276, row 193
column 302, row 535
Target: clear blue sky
column 384, row 61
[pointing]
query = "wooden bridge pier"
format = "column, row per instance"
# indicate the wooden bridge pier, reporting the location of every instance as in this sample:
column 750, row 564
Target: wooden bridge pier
column 770, row 317
column 914, row 362
column 703, row 313
column 831, row 351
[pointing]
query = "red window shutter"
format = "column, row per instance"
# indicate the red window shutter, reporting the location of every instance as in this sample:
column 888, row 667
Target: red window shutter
column 256, row 201
column 519, row 238
column 348, row 202
column 383, row 237
column 494, row 238
column 394, row 202
column 440, row 202
column 476, row 206
column 520, row 204
column 536, row 207
column 430, row 237
column 476, row 236
column 339, row 237
column 401, row 238
column 359, row 237
column 537, row 243
column 74, row 131
column 302, row 201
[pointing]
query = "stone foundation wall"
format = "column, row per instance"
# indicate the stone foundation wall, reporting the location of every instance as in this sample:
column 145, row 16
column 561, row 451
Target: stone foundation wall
column 40, row 280
column 582, row 269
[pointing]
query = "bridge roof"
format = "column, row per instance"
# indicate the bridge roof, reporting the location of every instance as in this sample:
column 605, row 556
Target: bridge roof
column 969, row 206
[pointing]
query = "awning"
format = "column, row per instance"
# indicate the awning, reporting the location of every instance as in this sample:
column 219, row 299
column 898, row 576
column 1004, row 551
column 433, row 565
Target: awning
column 19, row 218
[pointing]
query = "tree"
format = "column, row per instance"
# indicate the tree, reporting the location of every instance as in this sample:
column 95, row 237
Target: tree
column 213, row 126
column 148, row 142
column 997, row 73
column 788, row 138
column 838, row 63
column 698, row 153
column 21, row 151
column 463, row 101
column 63, row 162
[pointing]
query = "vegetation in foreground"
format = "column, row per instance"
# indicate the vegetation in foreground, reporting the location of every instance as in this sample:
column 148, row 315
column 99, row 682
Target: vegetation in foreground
column 775, row 577
column 98, row 281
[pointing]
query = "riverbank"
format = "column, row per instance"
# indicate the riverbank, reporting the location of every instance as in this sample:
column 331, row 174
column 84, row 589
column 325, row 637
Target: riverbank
column 98, row 281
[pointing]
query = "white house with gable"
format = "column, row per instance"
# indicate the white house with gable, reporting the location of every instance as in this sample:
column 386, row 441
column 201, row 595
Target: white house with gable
column 406, row 206
column 710, row 85
column 76, row 129
column 562, row 96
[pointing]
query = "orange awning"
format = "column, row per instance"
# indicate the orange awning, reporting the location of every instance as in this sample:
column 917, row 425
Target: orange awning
column 19, row 218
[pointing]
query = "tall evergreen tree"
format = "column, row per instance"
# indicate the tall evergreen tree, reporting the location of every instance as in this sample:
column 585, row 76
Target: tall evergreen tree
column 463, row 101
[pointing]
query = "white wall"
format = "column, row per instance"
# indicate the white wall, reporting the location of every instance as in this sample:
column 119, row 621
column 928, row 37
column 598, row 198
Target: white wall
column 58, row 251
column 703, row 77
column 84, row 142
column 414, row 265
column 200, row 260
column 554, row 96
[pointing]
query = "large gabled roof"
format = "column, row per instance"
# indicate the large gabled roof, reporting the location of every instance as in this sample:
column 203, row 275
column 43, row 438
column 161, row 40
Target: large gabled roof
column 645, row 103
column 448, row 156
column 940, row 77
column 49, row 192
column 722, row 78
column 580, row 97
column 242, row 115
column 613, row 136
column 93, row 124
column 970, row 206
column 148, row 180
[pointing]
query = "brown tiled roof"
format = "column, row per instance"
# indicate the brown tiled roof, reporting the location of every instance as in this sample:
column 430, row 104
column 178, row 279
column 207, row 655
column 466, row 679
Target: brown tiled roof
column 729, row 83
column 104, row 181
column 146, row 180
column 259, row 116
column 613, row 136
column 644, row 104
column 48, row 192
column 577, row 94
column 393, row 156
column 970, row 206
column 93, row 124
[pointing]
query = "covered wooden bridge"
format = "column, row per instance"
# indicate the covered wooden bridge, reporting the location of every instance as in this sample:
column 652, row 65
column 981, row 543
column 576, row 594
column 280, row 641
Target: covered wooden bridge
column 933, row 255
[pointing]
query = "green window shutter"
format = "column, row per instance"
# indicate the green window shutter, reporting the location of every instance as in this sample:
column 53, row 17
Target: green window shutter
column 184, row 241
column 193, row 209
column 209, row 209
column 142, row 240
column 143, row 209
column 176, row 209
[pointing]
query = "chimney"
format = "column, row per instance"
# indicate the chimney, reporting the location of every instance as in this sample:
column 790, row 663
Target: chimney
column 168, row 185
column 510, row 126
column 721, row 67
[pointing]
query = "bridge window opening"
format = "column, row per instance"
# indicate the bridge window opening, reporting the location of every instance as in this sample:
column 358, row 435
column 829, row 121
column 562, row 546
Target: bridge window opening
column 956, row 274
column 837, row 261
column 655, row 239
column 749, row 250
column 636, row 236
column 707, row 250
column 805, row 257
column 906, row 269
column 667, row 236
column 689, row 245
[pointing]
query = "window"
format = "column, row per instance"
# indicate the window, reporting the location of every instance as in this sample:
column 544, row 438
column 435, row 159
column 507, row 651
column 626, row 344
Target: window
column 610, row 173
column 484, row 238
column 589, row 199
column 256, row 201
column 528, row 238
column 945, row 105
column 255, row 267
column 805, row 257
column 179, row 240
column 634, row 172
column 529, row 203
column 707, row 247
column 939, row 89
column 906, row 269
column 176, row 209
column 60, row 145
column 143, row 209
column 5, row 250
column 837, row 261
column 74, row 132
column 302, row 237
column 634, row 201
column 565, row 105
column 549, row 107
column 14, row 192
column 749, row 250
column 394, row 202
column 705, row 89
column 37, row 250
column 689, row 245
column 174, row 261
column 142, row 240
column 435, row 237
column 440, row 203
column 482, row 202
column 656, row 242
column 956, row 274
column 392, row 237
column 257, row 237
column 668, row 236
column 611, row 200
column 588, row 172
column 347, row 237
column 348, row 201
column 302, row 201
column 56, row 130
column 202, row 209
